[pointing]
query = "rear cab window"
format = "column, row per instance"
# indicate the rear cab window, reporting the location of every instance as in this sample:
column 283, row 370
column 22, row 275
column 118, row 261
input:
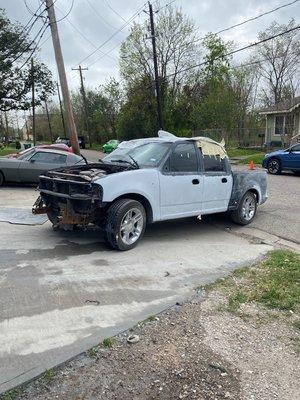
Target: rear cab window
column 214, row 163
column 214, row 159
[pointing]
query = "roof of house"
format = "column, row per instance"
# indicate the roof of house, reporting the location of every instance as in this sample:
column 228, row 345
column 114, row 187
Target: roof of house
column 282, row 107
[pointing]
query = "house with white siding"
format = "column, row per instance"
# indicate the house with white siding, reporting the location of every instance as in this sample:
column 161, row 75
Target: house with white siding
column 282, row 123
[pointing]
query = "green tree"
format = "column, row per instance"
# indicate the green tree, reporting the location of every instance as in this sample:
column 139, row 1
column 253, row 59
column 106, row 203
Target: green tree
column 103, row 106
column 16, row 49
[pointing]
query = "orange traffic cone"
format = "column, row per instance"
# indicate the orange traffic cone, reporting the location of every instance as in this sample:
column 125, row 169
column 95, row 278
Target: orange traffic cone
column 251, row 165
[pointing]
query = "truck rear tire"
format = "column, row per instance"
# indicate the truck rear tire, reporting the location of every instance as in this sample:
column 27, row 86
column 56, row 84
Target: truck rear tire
column 246, row 210
column 125, row 224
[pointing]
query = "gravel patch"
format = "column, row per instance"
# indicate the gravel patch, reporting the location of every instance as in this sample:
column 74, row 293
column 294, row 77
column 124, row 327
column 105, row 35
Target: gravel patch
column 196, row 350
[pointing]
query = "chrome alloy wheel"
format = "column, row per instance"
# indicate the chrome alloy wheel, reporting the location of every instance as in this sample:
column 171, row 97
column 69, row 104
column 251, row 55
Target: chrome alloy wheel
column 248, row 208
column 131, row 226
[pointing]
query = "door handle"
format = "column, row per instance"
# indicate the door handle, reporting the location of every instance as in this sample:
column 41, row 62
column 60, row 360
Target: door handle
column 224, row 180
column 195, row 182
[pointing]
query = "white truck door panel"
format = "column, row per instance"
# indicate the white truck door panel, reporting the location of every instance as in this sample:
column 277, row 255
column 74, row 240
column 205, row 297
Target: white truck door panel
column 217, row 185
column 216, row 193
column 181, row 184
column 180, row 195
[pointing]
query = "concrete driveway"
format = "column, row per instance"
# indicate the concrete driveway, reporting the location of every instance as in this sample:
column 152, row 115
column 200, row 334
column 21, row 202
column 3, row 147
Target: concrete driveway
column 63, row 292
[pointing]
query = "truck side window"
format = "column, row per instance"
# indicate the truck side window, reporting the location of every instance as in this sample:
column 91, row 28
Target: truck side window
column 214, row 163
column 184, row 158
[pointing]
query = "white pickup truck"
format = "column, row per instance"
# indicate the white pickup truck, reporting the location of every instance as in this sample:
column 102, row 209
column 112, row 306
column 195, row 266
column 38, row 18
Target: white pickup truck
column 149, row 180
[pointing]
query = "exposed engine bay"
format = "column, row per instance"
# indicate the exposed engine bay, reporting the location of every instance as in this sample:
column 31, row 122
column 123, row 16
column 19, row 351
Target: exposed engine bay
column 69, row 195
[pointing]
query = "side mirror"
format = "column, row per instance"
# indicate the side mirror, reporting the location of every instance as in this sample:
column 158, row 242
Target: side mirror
column 32, row 160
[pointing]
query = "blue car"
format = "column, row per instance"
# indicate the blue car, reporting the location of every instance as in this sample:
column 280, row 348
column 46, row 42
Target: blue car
column 282, row 160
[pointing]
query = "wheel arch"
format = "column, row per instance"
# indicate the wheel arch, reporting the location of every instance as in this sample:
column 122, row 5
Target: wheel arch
column 256, row 192
column 143, row 200
column 275, row 158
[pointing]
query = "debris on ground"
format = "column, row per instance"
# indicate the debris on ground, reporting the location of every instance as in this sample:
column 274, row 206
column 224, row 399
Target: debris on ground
column 133, row 339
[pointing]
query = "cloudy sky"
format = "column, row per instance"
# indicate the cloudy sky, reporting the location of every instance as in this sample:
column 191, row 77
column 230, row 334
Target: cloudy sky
column 91, row 23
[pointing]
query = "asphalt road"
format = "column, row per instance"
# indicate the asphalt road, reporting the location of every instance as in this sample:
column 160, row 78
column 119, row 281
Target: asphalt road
column 280, row 215
column 63, row 292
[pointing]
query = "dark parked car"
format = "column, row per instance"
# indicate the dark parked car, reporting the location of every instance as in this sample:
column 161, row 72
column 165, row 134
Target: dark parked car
column 65, row 140
column 28, row 167
column 283, row 160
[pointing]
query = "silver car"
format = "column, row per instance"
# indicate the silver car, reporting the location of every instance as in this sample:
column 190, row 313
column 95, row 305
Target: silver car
column 28, row 167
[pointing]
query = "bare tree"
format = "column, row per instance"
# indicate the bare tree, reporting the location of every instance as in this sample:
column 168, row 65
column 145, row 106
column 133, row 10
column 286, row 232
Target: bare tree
column 279, row 63
column 243, row 83
column 176, row 49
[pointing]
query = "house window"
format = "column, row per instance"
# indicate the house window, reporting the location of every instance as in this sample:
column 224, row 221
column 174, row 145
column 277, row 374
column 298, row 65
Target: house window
column 279, row 125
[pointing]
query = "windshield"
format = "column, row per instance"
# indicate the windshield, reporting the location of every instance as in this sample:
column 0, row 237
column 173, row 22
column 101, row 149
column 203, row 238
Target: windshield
column 145, row 155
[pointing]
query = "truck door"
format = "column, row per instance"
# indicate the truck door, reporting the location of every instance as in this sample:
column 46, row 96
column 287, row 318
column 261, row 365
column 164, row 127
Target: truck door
column 217, row 185
column 181, row 184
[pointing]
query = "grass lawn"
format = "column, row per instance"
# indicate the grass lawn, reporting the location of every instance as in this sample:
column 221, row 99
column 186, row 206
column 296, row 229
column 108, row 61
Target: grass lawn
column 95, row 146
column 236, row 152
column 274, row 283
column 256, row 158
column 7, row 150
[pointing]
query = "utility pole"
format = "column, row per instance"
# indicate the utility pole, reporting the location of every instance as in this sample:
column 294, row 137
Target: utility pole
column 17, row 121
column 61, row 110
column 157, row 83
column 49, row 122
column 33, row 103
column 26, row 125
column 80, row 69
column 6, row 129
column 62, row 77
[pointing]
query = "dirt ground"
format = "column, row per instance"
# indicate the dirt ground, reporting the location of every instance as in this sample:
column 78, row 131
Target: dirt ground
column 196, row 350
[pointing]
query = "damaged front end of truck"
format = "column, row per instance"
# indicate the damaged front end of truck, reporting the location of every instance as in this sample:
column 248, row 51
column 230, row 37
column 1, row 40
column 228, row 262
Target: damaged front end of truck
column 72, row 197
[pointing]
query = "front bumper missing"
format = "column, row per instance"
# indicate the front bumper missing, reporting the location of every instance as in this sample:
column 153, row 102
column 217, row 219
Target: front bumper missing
column 64, row 215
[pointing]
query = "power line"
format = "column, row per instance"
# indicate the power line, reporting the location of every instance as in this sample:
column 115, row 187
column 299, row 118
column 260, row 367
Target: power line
column 30, row 44
column 229, row 54
column 114, row 11
column 105, row 54
column 237, row 50
column 29, row 9
column 114, row 34
column 24, row 31
column 81, row 33
column 45, row 26
column 99, row 15
column 46, row 40
column 251, row 19
column 68, row 13
column 166, row 5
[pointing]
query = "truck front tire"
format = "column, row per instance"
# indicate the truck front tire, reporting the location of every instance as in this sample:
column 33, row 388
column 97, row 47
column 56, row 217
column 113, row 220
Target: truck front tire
column 246, row 210
column 125, row 224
